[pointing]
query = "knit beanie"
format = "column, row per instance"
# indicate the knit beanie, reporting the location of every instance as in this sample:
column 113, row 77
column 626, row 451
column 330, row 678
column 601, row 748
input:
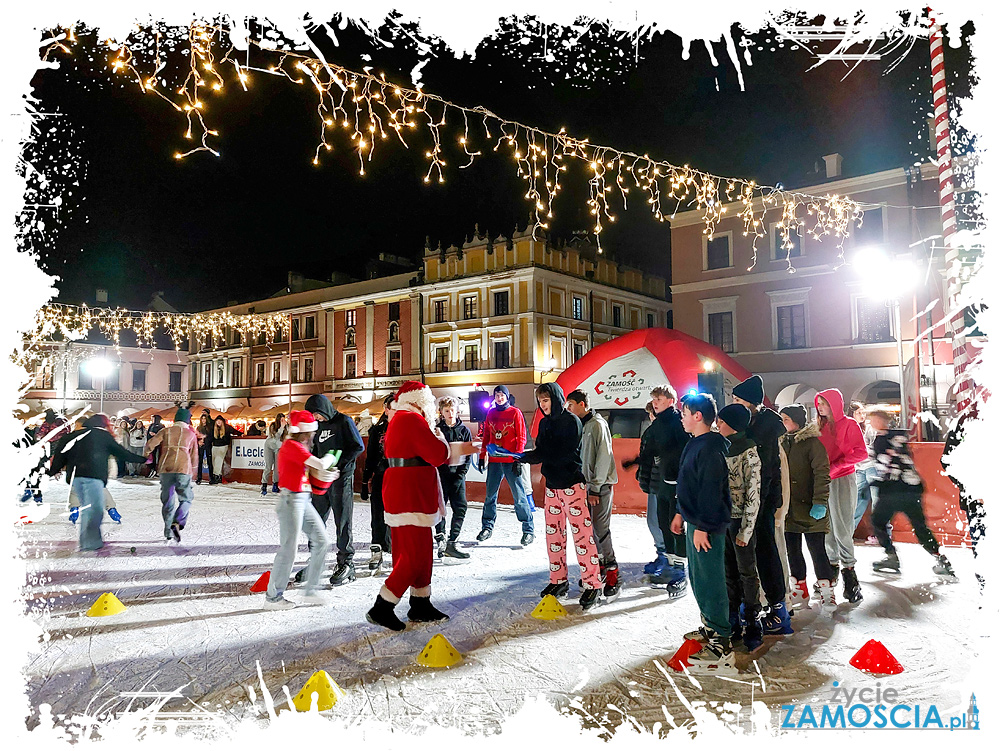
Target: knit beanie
column 735, row 416
column 751, row 390
column 183, row 415
column 797, row 414
column 506, row 392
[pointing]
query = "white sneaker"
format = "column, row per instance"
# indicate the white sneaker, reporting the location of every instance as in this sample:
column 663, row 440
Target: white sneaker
column 716, row 657
column 313, row 598
column 280, row 604
column 827, row 596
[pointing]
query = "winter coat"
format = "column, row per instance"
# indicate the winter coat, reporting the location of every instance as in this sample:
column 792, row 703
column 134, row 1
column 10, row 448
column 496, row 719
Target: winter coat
column 596, row 453
column 178, row 448
column 557, row 445
column 457, row 432
column 336, row 432
column 412, row 495
column 153, row 429
column 744, row 483
column 375, row 461
column 808, row 479
column 648, row 473
column 703, row 498
column 896, row 471
column 765, row 429
column 503, row 426
column 85, row 452
column 842, row 438
column 669, row 440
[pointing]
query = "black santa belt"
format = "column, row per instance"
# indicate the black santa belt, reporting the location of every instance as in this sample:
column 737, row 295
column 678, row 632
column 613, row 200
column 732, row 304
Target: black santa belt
column 414, row 462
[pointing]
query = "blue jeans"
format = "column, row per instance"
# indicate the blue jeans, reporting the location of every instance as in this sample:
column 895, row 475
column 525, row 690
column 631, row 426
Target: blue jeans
column 175, row 484
column 90, row 492
column 296, row 513
column 867, row 493
column 496, row 471
column 653, row 523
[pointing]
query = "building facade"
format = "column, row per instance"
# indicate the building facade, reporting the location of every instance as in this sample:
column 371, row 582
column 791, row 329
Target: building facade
column 819, row 327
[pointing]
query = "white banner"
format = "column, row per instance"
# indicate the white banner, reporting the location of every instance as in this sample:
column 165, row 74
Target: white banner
column 248, row 453
column 624, row 382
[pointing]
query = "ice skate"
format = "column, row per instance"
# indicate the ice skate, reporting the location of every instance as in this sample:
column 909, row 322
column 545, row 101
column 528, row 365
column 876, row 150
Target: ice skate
column 612, row 587
column 38, row 497
column 702, row 634
column 74, row 514
column 375, row 562
column 852, row 589
column 451, row 551
column 799, row 594
column 589, row 599
column 439, row 542
column 656, row 565
column 673, row 580
column 715, row 658
column 777, row 622
column 557, row 590
column 26, row 496
column 175, row 530
column 827, row 596
column 943, row 568
column 112, row 512
column 263, row 488
column 527, row 538
column 484, row 534
column 833, row 580
column 888, row 565
column 342, row 574
column 274, row 488
column 421, row 611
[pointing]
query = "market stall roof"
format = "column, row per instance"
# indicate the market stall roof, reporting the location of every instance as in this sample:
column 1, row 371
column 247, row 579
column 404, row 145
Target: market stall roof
column 620, row 373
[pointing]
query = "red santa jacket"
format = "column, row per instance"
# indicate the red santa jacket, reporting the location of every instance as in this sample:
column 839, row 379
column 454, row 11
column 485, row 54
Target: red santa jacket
column 412, row 495
column 504, row 427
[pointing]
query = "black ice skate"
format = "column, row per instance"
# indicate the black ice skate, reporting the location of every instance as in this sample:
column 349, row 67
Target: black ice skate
column 943, row 567
column 852, row 590
column 557, row 590
column 888, row 565
column 342, row 574
column 451, row 551
column 421, row 611
column 375, row 562
column 589, row 598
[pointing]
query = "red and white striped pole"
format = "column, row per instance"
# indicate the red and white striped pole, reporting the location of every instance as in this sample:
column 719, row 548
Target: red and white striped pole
column 963, row 384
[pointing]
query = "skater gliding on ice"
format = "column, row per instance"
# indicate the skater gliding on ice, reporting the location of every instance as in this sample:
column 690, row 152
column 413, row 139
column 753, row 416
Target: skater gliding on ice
column 177, row 449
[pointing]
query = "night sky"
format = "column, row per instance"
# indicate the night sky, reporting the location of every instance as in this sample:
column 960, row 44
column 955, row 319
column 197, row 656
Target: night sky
column 208, row 230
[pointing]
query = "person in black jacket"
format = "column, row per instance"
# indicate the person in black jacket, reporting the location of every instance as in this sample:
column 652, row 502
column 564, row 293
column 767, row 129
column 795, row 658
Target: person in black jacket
column 372, row 475
column 155, row 427
column 453, row 479
column 84, row 455
column 765, row 429
column 557, row 449
column 337, row 432
column 668, row 440
column 220, row 437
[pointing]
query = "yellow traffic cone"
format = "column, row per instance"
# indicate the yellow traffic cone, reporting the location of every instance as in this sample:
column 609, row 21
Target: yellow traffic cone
column 548, row 609
column 327, row 693
column 439, row 653
column 106, row 604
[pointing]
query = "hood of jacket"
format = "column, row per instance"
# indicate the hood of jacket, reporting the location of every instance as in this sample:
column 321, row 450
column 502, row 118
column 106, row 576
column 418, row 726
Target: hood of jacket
column 809, row 431
column 556, row 395
column 319, row 403
column 836, row 401
column 738, row 443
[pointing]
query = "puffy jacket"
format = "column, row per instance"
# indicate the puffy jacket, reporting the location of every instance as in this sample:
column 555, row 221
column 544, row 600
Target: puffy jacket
column 178, row 448
column 458, row 432
column 841, row 437
column 744, row 483
column 557, row 445
column 596, row 453
column 808, row 479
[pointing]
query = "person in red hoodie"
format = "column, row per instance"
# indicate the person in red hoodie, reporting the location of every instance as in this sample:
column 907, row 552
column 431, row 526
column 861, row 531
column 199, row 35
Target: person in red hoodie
column 414, row 504
column 504, row 427
column 845, row 445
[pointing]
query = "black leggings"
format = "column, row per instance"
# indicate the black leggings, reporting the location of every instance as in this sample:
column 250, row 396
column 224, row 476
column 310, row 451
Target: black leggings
column 816, row 542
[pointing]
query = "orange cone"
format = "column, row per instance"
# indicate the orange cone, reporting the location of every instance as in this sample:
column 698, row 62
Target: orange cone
column 875, row 658
column 261, row 584
column 680, row 659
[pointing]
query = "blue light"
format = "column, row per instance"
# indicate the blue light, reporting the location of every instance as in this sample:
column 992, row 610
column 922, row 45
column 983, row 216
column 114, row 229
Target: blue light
column 692, row 392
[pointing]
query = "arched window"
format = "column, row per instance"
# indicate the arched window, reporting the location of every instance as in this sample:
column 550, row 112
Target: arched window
column 349, row 338
column 393, row 332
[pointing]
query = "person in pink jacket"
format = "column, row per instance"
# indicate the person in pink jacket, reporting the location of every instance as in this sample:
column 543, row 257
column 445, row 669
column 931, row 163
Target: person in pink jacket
column 845, row 445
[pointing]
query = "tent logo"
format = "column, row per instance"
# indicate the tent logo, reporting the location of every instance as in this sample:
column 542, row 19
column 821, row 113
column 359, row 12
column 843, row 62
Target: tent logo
column 620, row 389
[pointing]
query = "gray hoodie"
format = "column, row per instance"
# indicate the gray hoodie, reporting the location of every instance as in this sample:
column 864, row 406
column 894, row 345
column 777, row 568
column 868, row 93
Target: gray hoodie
column 597, row 454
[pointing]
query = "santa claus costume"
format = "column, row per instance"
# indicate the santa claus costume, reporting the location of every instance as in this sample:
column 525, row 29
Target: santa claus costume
column 414, row 503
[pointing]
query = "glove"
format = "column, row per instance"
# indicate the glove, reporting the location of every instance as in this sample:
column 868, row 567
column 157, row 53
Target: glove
column 817, row 511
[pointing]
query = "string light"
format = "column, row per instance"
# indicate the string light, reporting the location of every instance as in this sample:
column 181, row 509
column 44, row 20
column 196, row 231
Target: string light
column 370, row 108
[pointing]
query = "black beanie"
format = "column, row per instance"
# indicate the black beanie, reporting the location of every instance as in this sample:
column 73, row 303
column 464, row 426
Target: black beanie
column 502, row 388
column 751, row 390
column 797, row 413
column 735, row 416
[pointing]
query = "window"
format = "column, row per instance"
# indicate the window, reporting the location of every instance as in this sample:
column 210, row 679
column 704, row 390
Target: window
column 259, row 381
column 112, row 381
column 236, row 371
column 261, row 339
column 870, row 230
column 471, row 356
column 295, row 330
column 873, row 320
column 206, row 376
column 501, row 303
column 441, row 360
column 350, row 365
column 779, row 253
column 439, row 311
column 791, row 326
column 578, row 351
column 720, row 331
column 717, row 252
column 220, row 370
column 393, row 332
column 468, row 308
column 308, row 370
column 394, row 311
column 616, row 316
column 650, row 320
column 310, row 327
column 237, row 338
column 395, row 362
column 351, row 318
column 279, row 332
column 349, row 338
column 295, row 371
column 501, row 354
column 138, row 379
column 84, row 380
column 175, row 382
column 577, row 308
column 276, row 372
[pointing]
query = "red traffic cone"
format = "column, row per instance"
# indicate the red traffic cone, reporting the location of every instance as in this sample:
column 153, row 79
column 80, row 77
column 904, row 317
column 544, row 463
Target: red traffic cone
column 680, row 659
column 261, row 584
column 875, row 658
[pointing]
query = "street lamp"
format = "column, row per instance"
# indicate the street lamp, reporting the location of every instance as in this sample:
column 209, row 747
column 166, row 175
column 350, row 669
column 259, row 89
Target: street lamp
column 889, row 277
column 99, row 367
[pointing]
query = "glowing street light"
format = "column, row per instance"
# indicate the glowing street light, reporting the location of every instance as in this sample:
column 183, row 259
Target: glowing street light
column 99, row 367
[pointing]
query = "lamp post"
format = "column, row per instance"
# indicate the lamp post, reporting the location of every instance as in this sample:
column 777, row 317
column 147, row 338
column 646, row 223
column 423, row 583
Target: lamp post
column 99, row 367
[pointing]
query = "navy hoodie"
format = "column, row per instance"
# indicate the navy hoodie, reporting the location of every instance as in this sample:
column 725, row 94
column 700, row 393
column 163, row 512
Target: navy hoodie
column 703, row 484
column 557, row 445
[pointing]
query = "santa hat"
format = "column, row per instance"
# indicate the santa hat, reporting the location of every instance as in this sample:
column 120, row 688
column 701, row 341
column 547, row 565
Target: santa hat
column 415, row 396
column 302, row 422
